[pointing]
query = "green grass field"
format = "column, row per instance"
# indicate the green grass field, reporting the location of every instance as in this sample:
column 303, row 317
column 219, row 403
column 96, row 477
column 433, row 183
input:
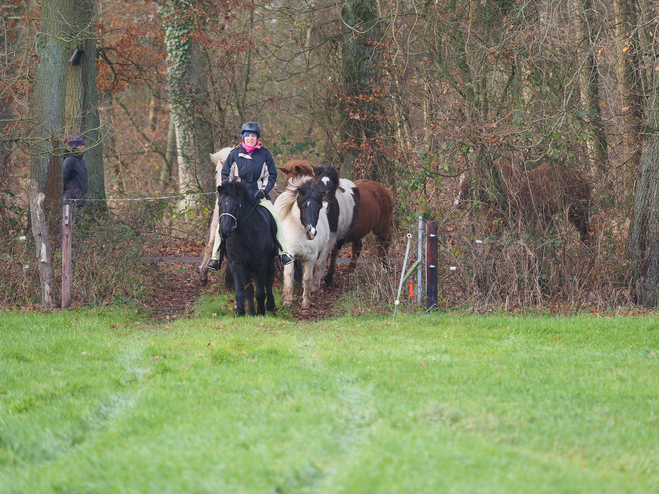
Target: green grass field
column 97, row 401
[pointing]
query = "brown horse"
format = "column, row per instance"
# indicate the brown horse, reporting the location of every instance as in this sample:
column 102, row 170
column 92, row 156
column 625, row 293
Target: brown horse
column 376, row 207
column 539, row 193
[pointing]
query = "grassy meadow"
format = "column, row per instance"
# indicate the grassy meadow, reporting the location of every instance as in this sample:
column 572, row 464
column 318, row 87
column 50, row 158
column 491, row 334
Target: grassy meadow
column 110, row 401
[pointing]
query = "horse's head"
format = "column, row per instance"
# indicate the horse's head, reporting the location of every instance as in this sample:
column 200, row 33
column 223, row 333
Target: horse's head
column 310, row 203
column 327, row 179
column 232, row 198
column 221, row 156
column 295, row 168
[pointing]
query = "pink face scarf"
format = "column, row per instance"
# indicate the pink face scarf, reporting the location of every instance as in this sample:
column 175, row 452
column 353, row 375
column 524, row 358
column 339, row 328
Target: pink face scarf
column 250, row 149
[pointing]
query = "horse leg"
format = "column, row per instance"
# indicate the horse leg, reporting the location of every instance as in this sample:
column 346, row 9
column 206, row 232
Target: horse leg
column 307, row 283
column 239, row 291
column 249, row 293
column 203, row 270
column 330, row 271
column 356, row 251
column 289, row 273
column 318, row 270
column 260, row 295
column 208, row 252
column 384, row 241
column 578, row 216
column 269, row 280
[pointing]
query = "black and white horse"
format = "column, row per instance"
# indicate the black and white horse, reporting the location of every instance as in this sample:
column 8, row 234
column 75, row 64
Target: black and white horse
column 250, row 246
column 303, row 217
column 342, row 197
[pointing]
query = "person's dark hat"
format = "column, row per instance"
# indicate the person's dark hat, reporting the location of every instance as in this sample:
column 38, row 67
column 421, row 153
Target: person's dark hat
column 75, row 142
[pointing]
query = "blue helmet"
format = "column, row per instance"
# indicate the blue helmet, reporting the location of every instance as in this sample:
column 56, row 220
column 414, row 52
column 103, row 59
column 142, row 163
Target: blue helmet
column 252, row 128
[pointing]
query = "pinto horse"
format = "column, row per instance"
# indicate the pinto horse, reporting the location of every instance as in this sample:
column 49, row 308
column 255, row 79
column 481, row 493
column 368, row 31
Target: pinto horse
column 306, row 230
column 249, row 243
column 376, row 206
column 342, row 198
column 218, row 159
column 539, row 193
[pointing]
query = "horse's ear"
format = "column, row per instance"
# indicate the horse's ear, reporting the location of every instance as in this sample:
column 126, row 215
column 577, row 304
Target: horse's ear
column 338, row 170
column 220, row 188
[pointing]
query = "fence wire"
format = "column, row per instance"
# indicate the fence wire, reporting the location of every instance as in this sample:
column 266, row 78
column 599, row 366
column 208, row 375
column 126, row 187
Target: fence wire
column 487, row 269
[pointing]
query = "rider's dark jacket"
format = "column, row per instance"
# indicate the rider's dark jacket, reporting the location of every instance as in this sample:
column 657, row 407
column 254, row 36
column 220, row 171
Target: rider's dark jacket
column 257, row 172
column 76, row 183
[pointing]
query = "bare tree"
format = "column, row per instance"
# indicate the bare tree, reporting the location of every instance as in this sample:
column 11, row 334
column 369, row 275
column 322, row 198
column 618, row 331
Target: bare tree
column 629, row 85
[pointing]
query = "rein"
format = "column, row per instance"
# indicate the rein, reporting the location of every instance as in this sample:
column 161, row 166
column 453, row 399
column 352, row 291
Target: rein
column 235, row 220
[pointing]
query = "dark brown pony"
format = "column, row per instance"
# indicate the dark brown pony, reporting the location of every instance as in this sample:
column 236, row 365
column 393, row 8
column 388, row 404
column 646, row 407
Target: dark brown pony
column 376, row 207
column 539, row 193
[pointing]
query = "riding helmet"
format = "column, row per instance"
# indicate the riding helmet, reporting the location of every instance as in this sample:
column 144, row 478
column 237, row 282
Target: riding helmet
column 252, row 128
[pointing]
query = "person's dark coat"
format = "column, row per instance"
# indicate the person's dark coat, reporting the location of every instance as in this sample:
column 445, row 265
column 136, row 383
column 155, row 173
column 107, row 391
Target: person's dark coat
column 76, row 182
column 257, row 171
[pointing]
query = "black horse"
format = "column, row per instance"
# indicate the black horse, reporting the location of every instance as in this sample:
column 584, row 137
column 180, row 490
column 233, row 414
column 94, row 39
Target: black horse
column 249, row 243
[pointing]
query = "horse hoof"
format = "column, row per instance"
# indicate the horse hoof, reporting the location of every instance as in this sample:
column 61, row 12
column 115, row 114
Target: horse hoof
column 203, row 282
column 306, row 306
column 288, row 304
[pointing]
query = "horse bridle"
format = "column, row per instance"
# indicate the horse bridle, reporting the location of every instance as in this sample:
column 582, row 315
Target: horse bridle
column 235, row 220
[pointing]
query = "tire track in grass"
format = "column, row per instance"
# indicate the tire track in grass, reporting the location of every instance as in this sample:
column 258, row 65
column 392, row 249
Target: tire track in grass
column 357, row 424
column 74, row 430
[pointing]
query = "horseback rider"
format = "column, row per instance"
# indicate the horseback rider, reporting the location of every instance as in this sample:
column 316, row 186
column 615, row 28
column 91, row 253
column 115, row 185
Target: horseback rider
column 253, row 165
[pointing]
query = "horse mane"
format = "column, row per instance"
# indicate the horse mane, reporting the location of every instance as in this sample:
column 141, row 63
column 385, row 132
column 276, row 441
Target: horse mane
column 288, row 198
column 327, row 171
column 294, row 168
column 240, row 191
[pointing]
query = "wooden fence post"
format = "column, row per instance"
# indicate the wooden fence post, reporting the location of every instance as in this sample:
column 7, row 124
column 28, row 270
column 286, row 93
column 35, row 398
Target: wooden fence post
column 67, row 234
column 431, row 268
column 42, row 244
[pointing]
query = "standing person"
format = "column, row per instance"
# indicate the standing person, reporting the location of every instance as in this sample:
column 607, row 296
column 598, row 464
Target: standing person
column 253, row 165
column 76, row 182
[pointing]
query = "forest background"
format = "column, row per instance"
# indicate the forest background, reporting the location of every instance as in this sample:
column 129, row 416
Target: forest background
column 409, row 93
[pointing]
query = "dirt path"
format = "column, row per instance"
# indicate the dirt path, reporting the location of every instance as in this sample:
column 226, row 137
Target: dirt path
column 182, row 290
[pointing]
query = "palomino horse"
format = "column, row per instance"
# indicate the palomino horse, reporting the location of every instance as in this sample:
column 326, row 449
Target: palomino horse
column 376, row 206
column 218, row 159
column 249, row 243
column 306, row 230
column 538, row 193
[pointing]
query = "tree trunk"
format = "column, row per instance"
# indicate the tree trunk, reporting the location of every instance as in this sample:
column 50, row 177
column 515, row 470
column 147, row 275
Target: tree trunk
column 363, row 110
column 49, row 98
column 167, row 172
column 589, row 86
column 178, row 28
column 629, row 85
column 42, row 245
column 82, row 97
column 644, row 241
column 198, row 81
column 644, row 233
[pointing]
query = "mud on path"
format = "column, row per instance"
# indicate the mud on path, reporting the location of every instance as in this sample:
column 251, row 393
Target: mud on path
column 180, row 289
